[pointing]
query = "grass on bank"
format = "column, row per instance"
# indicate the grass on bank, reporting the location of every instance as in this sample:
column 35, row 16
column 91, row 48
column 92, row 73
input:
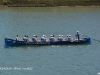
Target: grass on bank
column 47, row 2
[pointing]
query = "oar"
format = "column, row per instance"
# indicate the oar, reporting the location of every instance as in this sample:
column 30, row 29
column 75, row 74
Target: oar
column 91, row 38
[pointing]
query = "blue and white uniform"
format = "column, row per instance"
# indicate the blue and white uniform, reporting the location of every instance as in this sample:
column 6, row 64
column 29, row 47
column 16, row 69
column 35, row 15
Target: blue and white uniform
column 78, row 35
column 34, row 38
column 69, row 38
column 51, row 38
column 25, row 39
column 60, row 38
column 17, row 38
column 43, row 39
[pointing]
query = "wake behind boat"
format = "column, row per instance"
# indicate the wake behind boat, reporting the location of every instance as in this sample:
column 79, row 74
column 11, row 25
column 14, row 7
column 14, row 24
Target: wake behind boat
column 12, row 42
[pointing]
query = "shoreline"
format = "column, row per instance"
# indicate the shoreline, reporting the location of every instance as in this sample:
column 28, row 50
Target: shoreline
column 50, row 5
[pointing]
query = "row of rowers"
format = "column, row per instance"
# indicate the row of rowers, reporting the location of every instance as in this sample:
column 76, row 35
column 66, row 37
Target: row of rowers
column 44, row 38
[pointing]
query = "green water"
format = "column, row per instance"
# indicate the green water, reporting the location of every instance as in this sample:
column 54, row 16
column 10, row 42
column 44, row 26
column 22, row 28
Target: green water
column 50, row 60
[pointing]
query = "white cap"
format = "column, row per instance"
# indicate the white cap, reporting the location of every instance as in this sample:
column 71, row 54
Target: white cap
column 43, row 35
column 59, row 35
column 34, row 35
column 51, row 35
column 69, row 35
column 77, row 31
column 99, row 73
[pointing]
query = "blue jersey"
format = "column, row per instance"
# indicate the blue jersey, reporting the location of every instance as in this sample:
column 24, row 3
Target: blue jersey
column 51, row 39
column 69, row 39
column 34, row 39
column 25, row 39
column 78, row 35
column 43, row 39
column 60, row 39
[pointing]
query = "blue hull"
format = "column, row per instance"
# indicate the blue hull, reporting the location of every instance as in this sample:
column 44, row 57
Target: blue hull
column 12, row 42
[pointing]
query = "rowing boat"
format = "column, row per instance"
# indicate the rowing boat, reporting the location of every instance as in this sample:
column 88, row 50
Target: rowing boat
column 13, row 42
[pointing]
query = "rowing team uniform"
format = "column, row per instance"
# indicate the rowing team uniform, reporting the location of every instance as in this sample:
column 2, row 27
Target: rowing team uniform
column 60, row 38
column 43, row 39
column 17, row 39
column 52, row 39
column 25, row 39
column 78, row 35
column 34, row 39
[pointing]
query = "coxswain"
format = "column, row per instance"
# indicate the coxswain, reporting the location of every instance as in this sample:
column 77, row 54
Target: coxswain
column 17, row 38
column 78, row 35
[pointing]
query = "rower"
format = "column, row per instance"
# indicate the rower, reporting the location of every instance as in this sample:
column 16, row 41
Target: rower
column 67, row 37
column 60, row 38
column 43, row 39
column 34, row 39
column 51, row 38
column 78, row 35
column 54, row 38
column 70, row 38
column 28, row 39
column 17, row 38
column 25, row 38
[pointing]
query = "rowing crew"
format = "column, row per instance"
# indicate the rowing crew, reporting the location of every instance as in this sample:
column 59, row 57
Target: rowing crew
column 51, row 39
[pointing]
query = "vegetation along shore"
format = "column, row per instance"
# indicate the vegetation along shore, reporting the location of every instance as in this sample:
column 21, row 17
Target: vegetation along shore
column 47, row 3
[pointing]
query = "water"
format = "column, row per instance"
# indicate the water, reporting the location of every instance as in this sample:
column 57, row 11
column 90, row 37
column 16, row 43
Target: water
column 50, row 60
